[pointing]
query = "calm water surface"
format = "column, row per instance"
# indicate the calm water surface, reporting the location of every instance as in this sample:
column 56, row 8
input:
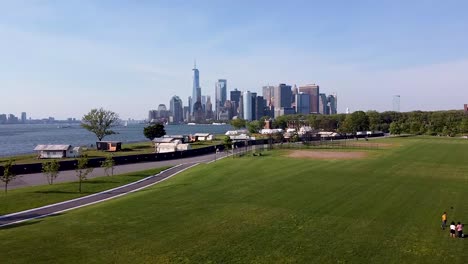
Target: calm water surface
column 22, row 138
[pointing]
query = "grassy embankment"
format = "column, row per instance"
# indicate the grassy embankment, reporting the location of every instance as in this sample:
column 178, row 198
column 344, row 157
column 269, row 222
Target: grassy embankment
column 272, row 209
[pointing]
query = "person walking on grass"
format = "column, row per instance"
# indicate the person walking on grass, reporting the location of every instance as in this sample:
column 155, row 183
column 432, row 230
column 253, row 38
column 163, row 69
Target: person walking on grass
column 459, row 228
column 452, row 229
column 444, row 221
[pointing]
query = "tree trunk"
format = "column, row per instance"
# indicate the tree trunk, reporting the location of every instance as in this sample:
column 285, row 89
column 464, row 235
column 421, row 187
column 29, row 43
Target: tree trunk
column 6, row 187
column 80, row 183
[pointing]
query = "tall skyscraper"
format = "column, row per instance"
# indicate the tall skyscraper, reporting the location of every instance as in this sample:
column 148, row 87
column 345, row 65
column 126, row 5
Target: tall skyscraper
column 323, row 104
column 162, row 111
column 332, row 104
column 176, row 109
column 235, row 101
column 23, row 117
column 247, row 104
column 254, row 106
column 260, row 107
column 282, row 96
column 313, row 91
column 196, row 92
column 268, row 94
column 209, row 108
column 303, row 103
column 220, row 94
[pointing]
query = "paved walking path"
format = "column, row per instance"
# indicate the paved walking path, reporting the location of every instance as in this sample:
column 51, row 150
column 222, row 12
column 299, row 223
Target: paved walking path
column 57, row 208
column 34, row 179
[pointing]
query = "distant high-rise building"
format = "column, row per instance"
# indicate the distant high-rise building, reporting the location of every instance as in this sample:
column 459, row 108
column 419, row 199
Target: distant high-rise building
column 260, row 107
column 220, row 93
column 196, row 90
column 152, row 115
column 247, row 106
column 466, row 108
column 332, row 104
column 313, row 91
column 396, row 103
column 208, row 108
column 162, row 111
column 203, row 100
column 268, row 93
column 303, row 103
column 254, row 105
column 282, row 96
column 293, row 97
column 323, row 104
column 177, row 109
column 186, row 113
column 23, row 117
column 235, row 101
column 12, row 119
column 3, row 119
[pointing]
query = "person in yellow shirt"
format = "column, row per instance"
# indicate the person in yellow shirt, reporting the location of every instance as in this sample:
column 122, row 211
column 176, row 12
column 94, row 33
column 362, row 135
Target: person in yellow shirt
column 444, row 221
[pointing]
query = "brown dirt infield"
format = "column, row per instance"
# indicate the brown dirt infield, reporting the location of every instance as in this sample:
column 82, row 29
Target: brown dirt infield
column 326, row 155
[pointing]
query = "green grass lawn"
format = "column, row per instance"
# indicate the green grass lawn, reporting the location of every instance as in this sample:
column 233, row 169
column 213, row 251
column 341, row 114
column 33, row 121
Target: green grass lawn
column 272, row 209
column 31, row 197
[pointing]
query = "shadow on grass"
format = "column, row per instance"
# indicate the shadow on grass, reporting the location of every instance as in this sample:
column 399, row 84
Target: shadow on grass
column 99, row 182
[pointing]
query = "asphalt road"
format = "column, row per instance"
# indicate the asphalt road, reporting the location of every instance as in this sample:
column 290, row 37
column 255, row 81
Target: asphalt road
column 58, row 208
column 68, row 176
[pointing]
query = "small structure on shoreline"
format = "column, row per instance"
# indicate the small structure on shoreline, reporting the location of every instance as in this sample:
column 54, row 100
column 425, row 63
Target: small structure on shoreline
column 166, row 145
column 110, row 146
column 203, row 136
column 57, row 151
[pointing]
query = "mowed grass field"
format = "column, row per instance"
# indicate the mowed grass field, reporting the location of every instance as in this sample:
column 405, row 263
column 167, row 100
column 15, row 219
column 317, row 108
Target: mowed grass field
column 384, row 208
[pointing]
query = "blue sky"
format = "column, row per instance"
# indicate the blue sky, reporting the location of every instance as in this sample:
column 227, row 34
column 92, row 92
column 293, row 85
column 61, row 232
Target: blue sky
column 62, row 58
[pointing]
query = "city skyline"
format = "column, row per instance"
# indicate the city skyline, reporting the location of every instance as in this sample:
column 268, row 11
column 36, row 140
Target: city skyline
column 137, row 54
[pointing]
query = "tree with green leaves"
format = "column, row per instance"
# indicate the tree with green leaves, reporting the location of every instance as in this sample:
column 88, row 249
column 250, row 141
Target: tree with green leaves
column 395, row 128
column 108, row 164
column 51, row 170
column 100, row 122
column 254, row 126
column 8, row 174
column 153, row 131
column 82, row 169
column 227, row 142
column 238, row 123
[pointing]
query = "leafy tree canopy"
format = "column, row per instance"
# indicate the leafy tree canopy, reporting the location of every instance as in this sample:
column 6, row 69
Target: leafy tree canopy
column 100, row 122
column 154, row 131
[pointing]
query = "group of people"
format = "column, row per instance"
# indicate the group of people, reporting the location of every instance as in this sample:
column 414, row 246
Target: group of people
column 455, row 230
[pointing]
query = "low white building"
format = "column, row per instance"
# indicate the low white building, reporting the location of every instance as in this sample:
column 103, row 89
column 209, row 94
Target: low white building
column 271, row 131
column 173, row 146
column 203, row 136
column 57, row 151
column 236, row 132
column 325, row 134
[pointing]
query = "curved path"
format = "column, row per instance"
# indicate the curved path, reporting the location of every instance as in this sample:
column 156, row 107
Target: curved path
column 57, row 208
column 34, row 179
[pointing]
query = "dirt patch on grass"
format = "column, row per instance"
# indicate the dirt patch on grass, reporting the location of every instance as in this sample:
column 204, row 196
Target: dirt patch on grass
column 369, row 144
column 326, row 155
